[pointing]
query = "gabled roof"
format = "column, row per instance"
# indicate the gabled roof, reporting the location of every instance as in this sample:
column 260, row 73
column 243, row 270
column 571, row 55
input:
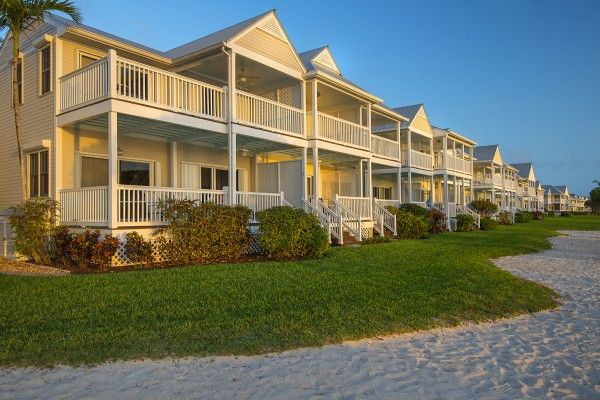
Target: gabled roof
column 486, row 153
column 555, row 189
column 409, row 112
column 215, row 38
column 449, row 132
column 523, row 169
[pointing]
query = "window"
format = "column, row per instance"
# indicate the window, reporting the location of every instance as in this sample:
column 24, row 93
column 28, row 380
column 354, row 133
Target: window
column 221, row 178
column 20, row 79
column 38, row 174
column 94, row 171
column 87, row 59
column 194, row 176
column 45, row 79
column 206, row 178
column 383, row 193
column 136, row 173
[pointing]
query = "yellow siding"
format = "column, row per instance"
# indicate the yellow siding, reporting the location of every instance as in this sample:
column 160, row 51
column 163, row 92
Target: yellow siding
column 37, row 116
column 71, row 51
column 269, row 46
column 420, row 122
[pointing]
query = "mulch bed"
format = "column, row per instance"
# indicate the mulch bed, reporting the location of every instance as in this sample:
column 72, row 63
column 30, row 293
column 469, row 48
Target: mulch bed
column 11, row 267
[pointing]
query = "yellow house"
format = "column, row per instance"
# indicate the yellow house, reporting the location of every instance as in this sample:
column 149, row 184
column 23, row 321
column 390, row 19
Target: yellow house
column 494, row 179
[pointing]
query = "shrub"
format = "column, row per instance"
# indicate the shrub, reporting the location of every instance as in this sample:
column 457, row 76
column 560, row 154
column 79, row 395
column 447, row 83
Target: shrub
column 437, row 221
column 566, row 214
column 408, row 225
column 203, row 233
column 550, row 214
column 465, row 223
column 523, row 217
column 505, row 218
column 487, row 224
column 81, row 248
column 33, row 222
column 287, row 233
column 137, row 249
column 103, row 252
column 538, row 215
column 61, row 243
column 484, row 207
column 377, row 239
column 414, row 209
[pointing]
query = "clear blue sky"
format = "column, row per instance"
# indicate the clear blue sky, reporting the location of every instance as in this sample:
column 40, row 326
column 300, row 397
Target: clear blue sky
column 524, row 74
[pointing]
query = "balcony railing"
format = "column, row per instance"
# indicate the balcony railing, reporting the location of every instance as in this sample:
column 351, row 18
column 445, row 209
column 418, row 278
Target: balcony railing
column 361, row 206
column 340, row 131
column 84, row 206
column 267, row 114
column 85, row 85
column 418, row 159
column 384, row 147
column 453, row 163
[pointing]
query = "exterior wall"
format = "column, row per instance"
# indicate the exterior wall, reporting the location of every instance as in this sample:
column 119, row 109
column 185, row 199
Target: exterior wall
column 268, row 45
column 37, row 116
column 387, row 181
column 71, row 51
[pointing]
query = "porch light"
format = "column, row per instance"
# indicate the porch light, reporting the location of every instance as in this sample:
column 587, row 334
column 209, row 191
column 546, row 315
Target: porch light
column 120, row 151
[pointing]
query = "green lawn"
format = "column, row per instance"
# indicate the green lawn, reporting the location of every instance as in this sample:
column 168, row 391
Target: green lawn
column 252, row 308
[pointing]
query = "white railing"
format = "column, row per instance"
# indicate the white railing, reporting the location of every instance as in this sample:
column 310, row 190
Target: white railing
column 324, row 220
column 488, row 180
column 349, row 220
column 84, row 85
column 84, row 206
column 385, row 147
column 145, row 84
column 341, row 131
column 388, row 203
column 361, row 206
column 450, row 211
column 465, row 209
column 264, row 113
column 387, row 219
column 454, row 163
column 418, row 159
column 139, row 205
column 257, row 201
column 336, row 220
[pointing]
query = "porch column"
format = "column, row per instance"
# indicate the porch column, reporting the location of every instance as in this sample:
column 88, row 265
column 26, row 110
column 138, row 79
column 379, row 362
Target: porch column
column 455, row 190
column 369, row 179
column 174, row 165
column 304, row 174
column 399, row 183
column 409, row 164
column 113, row 171
column 361, row 177
column 462, row 181
column 232, row 140
column 431, row 189
column 446, row 198
column 316, row 177
column 315, row 109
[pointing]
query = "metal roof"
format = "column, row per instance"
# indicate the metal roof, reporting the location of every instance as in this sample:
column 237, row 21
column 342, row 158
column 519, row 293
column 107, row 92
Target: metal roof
column 485, row 153
column 409, row 112
column 523, row 169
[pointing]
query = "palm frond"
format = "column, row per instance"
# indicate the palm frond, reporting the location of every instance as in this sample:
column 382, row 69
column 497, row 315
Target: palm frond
column 37, row 8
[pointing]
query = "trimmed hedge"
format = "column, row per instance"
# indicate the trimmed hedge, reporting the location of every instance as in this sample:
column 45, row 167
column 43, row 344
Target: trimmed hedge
column 287, row 233
column 566, row 214
column 409, row 225
column 538, row 215
column 414, row 209
column 523, row 217
column 465, row 223
column 487, row 224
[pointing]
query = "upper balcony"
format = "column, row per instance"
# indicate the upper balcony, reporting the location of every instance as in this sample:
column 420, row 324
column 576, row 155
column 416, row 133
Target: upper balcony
column 452, row 163
column 115, row 77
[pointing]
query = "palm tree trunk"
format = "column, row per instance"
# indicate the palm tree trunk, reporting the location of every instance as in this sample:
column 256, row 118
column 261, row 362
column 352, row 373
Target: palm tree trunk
column 17, row 114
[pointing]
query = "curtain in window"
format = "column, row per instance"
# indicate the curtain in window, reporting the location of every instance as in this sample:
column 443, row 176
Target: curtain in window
column 94, row 171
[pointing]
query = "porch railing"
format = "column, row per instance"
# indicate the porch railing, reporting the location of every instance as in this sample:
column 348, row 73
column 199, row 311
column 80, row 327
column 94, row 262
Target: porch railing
column 341, row 131
column 418, row 159
column 387, row 218
column 140, row 83
column 324, row 219
column 465, row 209
column 349, row 220
column 84, row 206
column 361, row 206
column 454, row 163
column 260, row 201
column 388, row 203
column 385, row 147
column 264, row 113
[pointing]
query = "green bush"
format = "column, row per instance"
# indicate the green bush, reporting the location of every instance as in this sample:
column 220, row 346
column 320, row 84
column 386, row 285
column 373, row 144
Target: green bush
column 103, row 252
column 61, row 239
column 408, row 225
column 377, row 239
column 538, row 215
column 437, row 221
column 550, row 214
column 504, row 218
column 487, row 224
column 523, row 217
column 203, row 233
column 465, row 223
column 137, row 249
column 33, row 222
column 566, row 214
column 484, row 207
column 88, row 250
column 414, row 209
column 287, row 233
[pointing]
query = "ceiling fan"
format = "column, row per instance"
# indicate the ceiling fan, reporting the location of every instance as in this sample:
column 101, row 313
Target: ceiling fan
column 244, row 80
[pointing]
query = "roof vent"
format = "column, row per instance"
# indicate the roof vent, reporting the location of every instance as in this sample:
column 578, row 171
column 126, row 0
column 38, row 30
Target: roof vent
column 326, row 60
column 272, row 26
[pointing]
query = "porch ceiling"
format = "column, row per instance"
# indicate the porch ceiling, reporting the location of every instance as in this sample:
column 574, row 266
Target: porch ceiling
column 129, row 125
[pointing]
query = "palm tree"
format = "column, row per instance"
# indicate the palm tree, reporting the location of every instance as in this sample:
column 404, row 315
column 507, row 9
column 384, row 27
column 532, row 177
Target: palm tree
column 18, row 16
column 596, row 182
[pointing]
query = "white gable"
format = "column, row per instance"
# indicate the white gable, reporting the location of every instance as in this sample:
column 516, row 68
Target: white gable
column 325, row 59
column 272, row 26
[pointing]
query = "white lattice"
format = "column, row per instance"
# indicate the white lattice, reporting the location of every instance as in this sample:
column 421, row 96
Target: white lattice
column 326, row 59
column 267, row 177
column 272, row 26
column 291, row 181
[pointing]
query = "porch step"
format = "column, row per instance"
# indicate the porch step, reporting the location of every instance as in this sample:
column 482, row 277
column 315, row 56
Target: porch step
column 349, row 240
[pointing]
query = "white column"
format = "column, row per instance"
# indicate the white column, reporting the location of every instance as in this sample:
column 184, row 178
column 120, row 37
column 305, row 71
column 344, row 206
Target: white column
column 303, row 106
column 315, row 109
column 361, row 177
column 232, row 142
column 464, row 200
column 399, row 183
column 455, row 189
column 316, row 174
column 369, row 179
column 174, row 165
column 56, row 171
column 304, row 174
column 409, row 166
column 113, row 171
column 431, row 189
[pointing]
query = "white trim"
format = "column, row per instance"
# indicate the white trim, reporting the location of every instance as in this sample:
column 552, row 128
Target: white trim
column 90, row 54
column 213, row 176
column 80, row 154
column 39, row 70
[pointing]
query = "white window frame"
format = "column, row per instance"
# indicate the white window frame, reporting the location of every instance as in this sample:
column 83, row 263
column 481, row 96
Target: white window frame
column 214, row 167
column 51, row 69
column 154, row 166
column 86, row 53
column 28, row 154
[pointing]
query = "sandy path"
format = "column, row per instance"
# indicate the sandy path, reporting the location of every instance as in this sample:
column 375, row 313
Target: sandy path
column 550, row 354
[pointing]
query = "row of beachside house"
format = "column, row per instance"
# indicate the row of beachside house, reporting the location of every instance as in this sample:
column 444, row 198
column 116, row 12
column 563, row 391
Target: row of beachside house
column 235, row 117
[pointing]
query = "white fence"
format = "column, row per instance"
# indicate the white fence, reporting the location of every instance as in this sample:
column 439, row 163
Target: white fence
column 418, row 159
column 260, row 201
column 264, row 113
column 84, row 85
column 341, row 131
column 361, row 206
column 385, row 147
column 387, row 218
column 84, row 206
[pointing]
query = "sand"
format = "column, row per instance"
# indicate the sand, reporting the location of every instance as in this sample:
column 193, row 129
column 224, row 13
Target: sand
column 554, row 354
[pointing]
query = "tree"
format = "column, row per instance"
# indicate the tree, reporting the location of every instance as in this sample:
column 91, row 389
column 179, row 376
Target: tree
column 19, row 16
column 597, row 182
column 594, row 200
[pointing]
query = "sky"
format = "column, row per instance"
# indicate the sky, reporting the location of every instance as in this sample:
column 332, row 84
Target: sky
column 524, row 74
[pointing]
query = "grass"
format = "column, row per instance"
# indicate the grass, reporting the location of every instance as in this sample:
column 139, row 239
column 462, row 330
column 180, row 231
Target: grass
column 251, row 308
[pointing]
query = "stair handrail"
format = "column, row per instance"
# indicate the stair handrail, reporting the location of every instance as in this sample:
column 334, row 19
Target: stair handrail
column 349, row 219
column 324, row 220
column 388, row 219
